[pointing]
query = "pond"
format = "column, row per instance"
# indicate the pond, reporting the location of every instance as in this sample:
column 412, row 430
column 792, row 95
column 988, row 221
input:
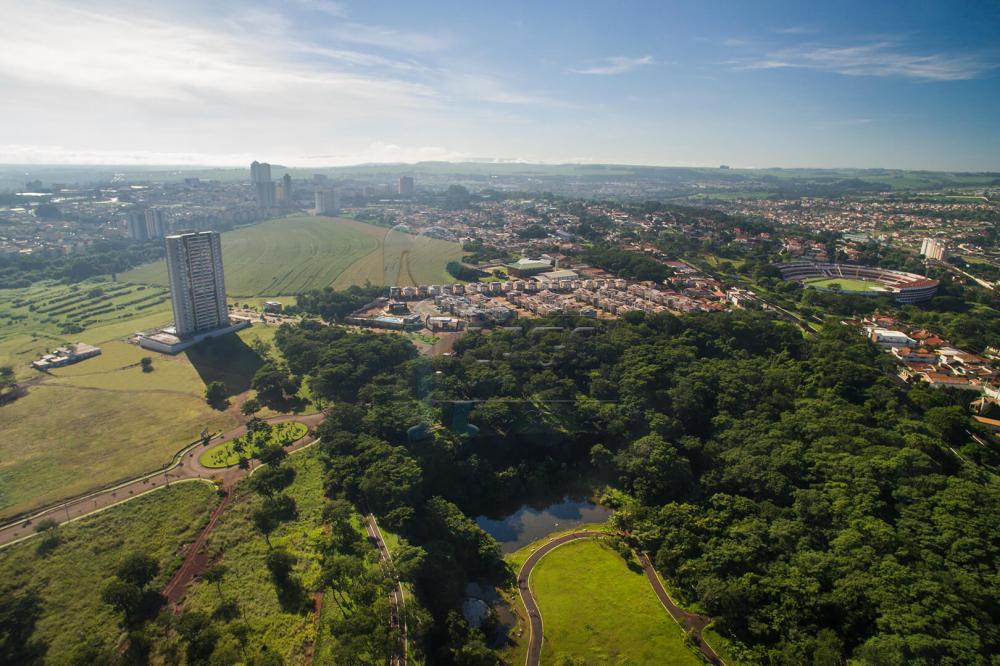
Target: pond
column 528, row 523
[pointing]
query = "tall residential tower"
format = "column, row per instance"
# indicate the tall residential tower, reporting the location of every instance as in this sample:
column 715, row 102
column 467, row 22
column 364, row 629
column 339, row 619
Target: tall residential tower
column 197, row 285
column 260, row 175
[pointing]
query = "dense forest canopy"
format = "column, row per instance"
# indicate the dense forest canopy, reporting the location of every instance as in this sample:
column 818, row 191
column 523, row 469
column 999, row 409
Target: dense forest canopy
column 785, row 485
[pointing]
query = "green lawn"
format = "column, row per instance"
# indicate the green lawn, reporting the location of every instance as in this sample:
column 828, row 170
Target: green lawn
column 284, row 256
column 846, row 284
column 236, row 544
column 62, row 441
column 227, row 455
column 104, row 420
column 70, row 578
column 596, row 608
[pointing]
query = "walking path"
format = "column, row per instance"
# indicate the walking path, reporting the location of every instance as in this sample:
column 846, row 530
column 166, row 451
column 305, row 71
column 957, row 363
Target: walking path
column 186, row 467
column 396, row 598
column 687, row 620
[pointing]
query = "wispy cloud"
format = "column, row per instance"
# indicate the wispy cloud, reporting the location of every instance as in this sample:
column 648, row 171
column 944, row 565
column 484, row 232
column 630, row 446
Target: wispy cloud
column 616, row 65
column 489, row 89
column 390, row 38
column 796, row 30
column 881, row 59
column 323, row 6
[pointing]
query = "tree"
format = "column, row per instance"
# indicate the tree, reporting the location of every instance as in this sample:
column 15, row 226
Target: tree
column 265, row 522
column 272, row 455
column 126, row 598
column 655, row 470
column 407, row 560
column 215, row 575
column 147, row 364
column 250, row 407
column 18, row 616
column 7, row 378
column 270, row 480
column 216, row 395
column 274, row 386
column 138, row 569
column 339, row 573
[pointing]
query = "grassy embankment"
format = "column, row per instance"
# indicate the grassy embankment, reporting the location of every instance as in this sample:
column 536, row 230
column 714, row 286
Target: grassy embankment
column 69, row 579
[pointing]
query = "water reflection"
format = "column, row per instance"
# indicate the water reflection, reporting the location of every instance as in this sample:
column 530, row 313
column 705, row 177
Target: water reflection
column 529, row 524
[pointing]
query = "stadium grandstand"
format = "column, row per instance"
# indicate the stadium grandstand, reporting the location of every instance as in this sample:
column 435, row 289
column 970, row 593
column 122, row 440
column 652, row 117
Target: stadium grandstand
column 904, row 287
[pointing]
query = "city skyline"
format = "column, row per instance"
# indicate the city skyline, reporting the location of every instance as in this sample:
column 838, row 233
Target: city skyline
column 777, row 84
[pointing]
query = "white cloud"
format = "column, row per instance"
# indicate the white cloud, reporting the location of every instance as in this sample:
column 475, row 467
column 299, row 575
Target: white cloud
column 389, row 38
column 616, row 65
column 882, row 59
column 144, row 59
column 375, row 152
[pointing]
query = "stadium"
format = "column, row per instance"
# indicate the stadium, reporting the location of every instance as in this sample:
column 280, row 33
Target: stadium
column 862, row 280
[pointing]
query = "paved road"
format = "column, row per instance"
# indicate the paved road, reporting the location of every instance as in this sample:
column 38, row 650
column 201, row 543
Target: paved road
column 396, row 598
column 185, row 468
column 685, row 619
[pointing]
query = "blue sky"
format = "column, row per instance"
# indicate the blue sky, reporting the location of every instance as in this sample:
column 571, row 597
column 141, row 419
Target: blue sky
column 317, row 82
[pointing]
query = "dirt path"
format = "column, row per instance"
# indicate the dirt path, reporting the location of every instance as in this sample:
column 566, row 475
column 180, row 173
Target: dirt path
column 185, row 468
column 195, row 559
column 685, row 619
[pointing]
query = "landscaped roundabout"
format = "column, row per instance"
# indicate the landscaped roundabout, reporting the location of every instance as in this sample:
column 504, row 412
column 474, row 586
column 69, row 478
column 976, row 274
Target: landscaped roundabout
column 259, row 436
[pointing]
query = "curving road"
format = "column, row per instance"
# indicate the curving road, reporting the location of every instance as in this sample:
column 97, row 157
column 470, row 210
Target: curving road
column 684, row 618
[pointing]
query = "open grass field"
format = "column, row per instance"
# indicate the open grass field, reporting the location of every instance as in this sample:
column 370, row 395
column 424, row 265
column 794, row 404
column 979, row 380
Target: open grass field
column 284, row 256
column 597, row 609
column 286, row 628
column 102, row 420
column 229, row 453
column 70, row 578
column 846, row 284
column 61, row 440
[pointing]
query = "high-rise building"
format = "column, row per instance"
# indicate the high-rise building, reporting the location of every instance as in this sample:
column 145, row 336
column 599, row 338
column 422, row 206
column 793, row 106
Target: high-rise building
column 156, row 225
column 932, row 248
column 405, row 186
column 260, row 172
column 260, row 175
column 286, row 180
column 327, row 202
column 197, row 284
column 136, row 221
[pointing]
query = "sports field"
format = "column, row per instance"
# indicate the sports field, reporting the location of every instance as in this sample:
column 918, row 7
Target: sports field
column 288, row 255
column 598, row 610
column 69, row 579
column 846, row 284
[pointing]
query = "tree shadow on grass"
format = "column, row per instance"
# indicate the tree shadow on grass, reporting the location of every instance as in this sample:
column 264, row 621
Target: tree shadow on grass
column 227, row 359
column 293, row 596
